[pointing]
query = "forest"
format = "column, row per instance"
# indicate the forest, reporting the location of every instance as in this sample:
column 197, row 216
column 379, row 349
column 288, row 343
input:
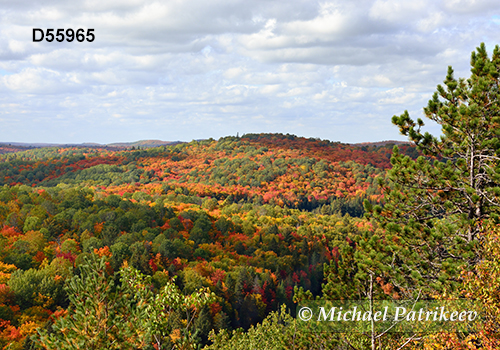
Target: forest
column 212, row 244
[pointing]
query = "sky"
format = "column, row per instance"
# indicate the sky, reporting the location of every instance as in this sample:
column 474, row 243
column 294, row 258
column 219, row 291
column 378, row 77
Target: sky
column 195, row 69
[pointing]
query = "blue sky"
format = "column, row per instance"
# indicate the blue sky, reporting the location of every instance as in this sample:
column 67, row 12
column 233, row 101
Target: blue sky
column 191, row 69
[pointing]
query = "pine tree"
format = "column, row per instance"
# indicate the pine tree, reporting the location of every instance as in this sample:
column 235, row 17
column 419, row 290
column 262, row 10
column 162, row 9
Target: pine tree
column 102, row 314
column 105, row 314
column 437, row 205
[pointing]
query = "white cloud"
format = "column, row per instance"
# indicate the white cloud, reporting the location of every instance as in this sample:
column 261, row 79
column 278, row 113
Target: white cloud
column 189, row 69
column 471, row 6
column 432, row 22
column 40, row 81
column 398, row 11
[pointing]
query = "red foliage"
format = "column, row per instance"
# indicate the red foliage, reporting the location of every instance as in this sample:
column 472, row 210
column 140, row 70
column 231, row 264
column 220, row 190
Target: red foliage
column 215, row 308
column 39, row 257
column 218, row 275
column 6, row 296
column 9, row 231
column 67, row 255
column 153, row 265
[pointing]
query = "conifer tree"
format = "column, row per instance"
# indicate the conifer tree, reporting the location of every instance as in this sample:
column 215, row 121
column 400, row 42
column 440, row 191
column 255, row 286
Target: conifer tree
column 102, row 314
column 437, row 205
column 107, row 314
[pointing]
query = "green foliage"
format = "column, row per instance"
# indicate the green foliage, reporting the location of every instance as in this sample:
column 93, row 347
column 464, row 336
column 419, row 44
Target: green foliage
column 107, row 313
column 253, row 220
column 280, row 331
column 170, row 314
column 41, row 287
column 102, row 314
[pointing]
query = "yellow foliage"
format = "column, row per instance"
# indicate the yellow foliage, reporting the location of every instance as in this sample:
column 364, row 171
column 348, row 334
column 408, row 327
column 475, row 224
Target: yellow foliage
column 482, row 285
column 4, row 277
column 7, row 268
column 29, row 328
column 176, row 334
column 44, row 301
column 5, row 272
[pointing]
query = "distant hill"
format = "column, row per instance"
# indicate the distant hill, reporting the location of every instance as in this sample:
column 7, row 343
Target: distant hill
column 29, row 145
column 9, row 147
column 381, row 143
column 143, row 144
column 6, row 147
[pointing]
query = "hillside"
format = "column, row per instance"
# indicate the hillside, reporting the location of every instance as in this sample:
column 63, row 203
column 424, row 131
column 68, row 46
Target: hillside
column 255, row 220
column 278, row 169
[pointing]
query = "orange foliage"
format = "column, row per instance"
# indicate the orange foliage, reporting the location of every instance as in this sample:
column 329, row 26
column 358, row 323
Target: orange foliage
column 98, row 227
column 8, row 231
column 39, row 257
column 9, row 332
column 59, row 313
column 104, row 251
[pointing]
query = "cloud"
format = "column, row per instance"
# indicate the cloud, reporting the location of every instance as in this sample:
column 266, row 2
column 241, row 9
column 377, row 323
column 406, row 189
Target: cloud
column 41, row 81
column 399, row 12
column 189, row 69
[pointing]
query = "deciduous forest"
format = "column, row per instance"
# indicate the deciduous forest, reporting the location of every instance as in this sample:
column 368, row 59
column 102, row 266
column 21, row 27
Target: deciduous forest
column 213, row 243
